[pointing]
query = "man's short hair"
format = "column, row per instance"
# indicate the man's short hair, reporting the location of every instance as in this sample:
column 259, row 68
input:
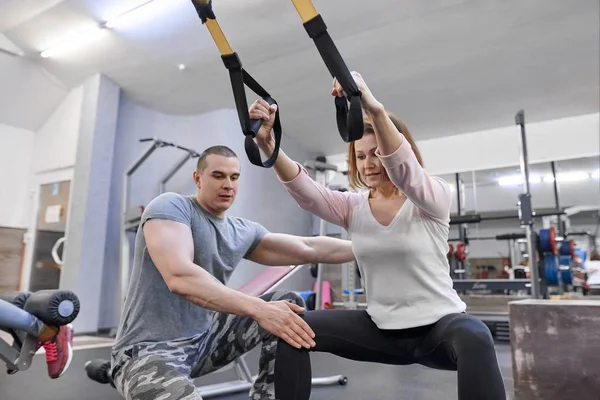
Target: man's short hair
column 218, row 150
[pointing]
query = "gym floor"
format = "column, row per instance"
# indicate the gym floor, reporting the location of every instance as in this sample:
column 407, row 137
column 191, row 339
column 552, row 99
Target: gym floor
column 365, row 381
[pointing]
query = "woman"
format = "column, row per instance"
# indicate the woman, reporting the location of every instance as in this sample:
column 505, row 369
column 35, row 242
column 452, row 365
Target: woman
column 399, row 230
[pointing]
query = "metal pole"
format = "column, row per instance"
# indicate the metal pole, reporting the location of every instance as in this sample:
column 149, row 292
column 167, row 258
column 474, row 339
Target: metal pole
column 475, row 207
column 173, row 171
column 321, row 178
column 458, row 194
column 556, row 199
column 125, row 252
column 462, row 229
column 525, row 208
column 561, row 223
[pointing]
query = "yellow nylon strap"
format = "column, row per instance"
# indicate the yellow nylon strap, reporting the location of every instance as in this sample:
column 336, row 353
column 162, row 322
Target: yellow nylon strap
column 218, row 37
column 306, row 9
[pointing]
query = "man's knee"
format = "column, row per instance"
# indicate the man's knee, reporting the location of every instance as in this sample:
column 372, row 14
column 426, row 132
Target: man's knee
column 285, row 295
column 152, row 377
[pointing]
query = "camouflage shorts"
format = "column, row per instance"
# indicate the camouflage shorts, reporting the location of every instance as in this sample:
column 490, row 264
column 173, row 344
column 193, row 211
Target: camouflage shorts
column 165, row 370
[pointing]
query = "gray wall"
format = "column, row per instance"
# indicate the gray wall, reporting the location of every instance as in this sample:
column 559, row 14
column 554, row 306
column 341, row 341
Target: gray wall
column 260, row 198
column 84, row 255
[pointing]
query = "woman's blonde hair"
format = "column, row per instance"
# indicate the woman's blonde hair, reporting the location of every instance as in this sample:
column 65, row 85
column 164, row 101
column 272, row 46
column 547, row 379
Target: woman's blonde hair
column 353, row 175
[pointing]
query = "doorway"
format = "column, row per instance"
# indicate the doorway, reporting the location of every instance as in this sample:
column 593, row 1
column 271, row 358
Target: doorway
column 50, row 227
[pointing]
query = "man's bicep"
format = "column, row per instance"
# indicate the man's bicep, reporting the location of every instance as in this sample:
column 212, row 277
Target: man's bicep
column 170, row 246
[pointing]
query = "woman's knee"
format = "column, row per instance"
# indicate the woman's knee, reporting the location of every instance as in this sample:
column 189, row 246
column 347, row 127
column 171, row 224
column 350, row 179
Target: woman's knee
column 468, row 331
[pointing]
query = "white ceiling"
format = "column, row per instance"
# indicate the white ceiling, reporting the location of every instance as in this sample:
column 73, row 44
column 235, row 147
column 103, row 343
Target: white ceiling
column 444, row 66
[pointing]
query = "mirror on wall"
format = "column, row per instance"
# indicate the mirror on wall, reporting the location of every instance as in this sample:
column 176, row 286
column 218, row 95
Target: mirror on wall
column 565, row 194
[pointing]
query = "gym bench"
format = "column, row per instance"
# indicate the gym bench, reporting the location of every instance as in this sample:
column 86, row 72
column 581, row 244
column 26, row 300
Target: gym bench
column 52, row 307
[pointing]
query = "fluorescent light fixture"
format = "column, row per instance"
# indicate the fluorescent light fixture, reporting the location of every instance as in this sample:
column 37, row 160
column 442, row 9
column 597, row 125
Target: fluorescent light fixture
column 573, row 176
column 512, row 180
column 515, row 180
column 143, row 11
column 577, row 176
column 71, row 43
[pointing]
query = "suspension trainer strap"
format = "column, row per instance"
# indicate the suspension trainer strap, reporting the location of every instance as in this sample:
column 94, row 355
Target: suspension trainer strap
column 240, row 78
column 349, row 121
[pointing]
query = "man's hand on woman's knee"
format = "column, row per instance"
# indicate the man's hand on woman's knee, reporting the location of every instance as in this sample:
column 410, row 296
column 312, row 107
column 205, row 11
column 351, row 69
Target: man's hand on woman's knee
column 282, row 320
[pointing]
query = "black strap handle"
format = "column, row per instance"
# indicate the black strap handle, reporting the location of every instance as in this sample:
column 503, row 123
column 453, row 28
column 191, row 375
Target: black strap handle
column 239, row 79
column 349, row 119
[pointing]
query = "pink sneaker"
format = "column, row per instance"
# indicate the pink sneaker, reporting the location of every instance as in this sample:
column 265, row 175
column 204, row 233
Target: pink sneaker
column 59, row 351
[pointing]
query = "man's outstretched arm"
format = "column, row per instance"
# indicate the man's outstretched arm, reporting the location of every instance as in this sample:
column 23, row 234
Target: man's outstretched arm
column 170, row 245
column 171, row 248
column 282, row 249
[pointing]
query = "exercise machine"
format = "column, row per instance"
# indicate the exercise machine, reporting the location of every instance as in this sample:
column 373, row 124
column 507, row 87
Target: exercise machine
column 52, row 307
column 131, row 217
column 349, row 118
column 269, row 280
column 536, row 284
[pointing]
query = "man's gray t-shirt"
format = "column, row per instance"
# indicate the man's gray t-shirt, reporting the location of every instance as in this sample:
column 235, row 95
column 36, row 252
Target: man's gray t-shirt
column 152, row 312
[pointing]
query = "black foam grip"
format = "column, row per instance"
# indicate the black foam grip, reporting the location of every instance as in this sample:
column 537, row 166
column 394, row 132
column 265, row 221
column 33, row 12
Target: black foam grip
column 97, row 370
column 465, row 219
column 53, row 307
column 16, row 298
column 510, row 236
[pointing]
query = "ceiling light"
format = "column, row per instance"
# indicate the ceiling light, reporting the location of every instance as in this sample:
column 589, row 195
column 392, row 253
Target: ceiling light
column 181, row 67
column 510, row 180
column 572, row 176
column 141, row 12
column 516, row 180
column 596, row 174
column 71, row 43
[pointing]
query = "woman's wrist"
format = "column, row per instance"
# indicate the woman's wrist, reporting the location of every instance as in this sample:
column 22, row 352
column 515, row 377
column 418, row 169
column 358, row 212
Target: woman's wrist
column 266, row 146
column 376, row 109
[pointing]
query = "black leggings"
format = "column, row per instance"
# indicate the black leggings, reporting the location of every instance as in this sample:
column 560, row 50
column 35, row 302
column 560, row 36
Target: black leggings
column 457, row 342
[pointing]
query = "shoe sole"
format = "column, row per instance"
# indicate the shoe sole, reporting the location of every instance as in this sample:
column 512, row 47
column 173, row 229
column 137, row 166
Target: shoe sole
column 70, row 352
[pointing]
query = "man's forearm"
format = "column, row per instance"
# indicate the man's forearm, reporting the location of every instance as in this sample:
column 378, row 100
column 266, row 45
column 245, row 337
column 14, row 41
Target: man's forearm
column 205, row 290
column 330, row 250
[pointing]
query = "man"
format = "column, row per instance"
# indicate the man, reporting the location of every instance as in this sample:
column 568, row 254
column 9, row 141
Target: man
column 180, row 320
